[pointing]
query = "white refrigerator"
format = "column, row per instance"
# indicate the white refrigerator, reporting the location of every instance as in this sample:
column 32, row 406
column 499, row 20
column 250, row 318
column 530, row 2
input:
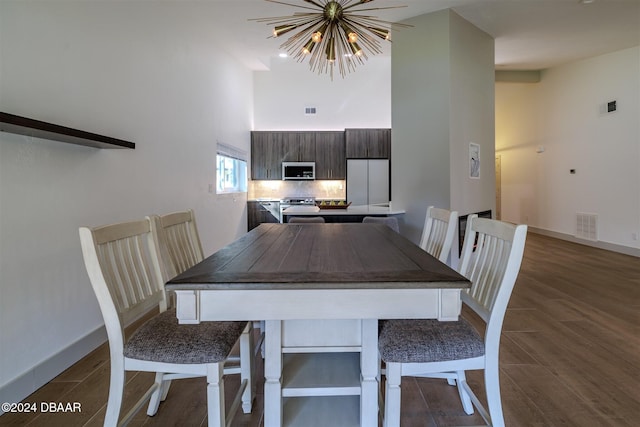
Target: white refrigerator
column 367, row 181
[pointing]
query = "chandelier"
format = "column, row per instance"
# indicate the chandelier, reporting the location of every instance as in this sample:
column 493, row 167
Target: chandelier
column 332, row 32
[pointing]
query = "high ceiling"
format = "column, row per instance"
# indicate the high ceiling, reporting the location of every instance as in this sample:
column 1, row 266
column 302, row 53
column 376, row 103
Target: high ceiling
column 529, row 34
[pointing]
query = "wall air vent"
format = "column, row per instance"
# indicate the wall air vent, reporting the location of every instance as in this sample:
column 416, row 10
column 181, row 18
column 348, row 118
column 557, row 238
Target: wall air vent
column 309, row 111
column 587, row 226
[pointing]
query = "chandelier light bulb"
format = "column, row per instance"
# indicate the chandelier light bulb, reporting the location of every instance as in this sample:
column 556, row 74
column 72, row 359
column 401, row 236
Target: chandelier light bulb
column 282, row 29
column 380, row 32
column 308, row 48
column 355, row 49
column 352, row 36
column 317, row 36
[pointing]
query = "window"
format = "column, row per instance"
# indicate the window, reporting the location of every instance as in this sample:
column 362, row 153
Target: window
column 231, row 170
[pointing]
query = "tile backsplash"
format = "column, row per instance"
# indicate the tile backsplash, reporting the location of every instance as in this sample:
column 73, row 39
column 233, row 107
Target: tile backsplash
column 320, row 189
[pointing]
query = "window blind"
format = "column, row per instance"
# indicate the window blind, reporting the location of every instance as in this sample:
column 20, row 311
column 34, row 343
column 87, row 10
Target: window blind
column 231, row 151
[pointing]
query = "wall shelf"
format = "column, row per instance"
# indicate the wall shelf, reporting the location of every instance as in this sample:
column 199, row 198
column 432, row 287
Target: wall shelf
column 38, row 129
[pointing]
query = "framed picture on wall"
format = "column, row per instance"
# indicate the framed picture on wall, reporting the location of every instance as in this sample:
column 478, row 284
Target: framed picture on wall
column 474, row 160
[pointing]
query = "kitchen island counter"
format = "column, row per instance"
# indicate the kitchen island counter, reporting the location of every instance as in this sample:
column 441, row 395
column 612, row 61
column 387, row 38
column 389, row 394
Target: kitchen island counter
column 350, row 214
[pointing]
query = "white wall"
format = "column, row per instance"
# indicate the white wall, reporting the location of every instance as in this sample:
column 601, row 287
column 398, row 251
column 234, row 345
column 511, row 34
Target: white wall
column 361, row 100
column 472, row 116
column 133, row 70
column 564, row 115
column 420, row 133
column 442, row 100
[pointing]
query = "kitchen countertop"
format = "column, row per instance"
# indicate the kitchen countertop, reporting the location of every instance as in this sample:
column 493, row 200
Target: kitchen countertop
column 351, row 210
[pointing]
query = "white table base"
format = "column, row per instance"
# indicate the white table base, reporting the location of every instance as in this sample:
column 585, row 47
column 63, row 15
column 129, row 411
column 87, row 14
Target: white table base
column 344, row 320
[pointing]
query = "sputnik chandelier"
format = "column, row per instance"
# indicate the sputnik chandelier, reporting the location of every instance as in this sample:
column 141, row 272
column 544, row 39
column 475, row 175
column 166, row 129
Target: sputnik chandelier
column 332, row 32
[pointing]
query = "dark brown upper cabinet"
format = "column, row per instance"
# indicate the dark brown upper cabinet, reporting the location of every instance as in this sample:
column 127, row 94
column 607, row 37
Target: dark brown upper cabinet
column 270, row 148
column 267, row 152
column 298, row 146
column 368, row 143
column 330, row 159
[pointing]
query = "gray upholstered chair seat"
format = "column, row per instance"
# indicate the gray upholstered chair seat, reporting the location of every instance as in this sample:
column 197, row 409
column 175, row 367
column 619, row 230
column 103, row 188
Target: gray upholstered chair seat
column 162, row 339
column 423, row 341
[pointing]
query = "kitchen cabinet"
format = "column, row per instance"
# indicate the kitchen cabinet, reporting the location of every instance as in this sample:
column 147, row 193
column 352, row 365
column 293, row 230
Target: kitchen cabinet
column 328, row 149
column 260, row 212
column 368, row 143
column 330, row 155
column 298, row 146
column 267, row 151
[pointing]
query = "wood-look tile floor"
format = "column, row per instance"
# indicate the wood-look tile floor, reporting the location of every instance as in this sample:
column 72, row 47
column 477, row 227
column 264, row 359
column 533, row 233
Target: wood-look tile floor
column 570, row 356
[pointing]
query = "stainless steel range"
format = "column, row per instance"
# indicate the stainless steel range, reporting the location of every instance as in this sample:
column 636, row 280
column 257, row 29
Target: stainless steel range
column 296, row 200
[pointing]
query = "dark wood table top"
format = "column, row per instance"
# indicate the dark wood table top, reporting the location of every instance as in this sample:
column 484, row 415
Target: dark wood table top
column 319, row 256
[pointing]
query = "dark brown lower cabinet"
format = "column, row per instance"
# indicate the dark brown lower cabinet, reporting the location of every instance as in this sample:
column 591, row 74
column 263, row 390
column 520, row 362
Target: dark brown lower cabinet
column 258, row 214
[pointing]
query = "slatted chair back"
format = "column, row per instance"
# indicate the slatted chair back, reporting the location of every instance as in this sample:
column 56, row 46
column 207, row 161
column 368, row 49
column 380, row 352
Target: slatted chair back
column 491, row 257
column 123, row 265
column 438, row 232
column 180, row 245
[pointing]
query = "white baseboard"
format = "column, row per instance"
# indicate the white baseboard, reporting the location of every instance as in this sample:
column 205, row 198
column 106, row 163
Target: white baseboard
column 39, row 375
column 597, row 244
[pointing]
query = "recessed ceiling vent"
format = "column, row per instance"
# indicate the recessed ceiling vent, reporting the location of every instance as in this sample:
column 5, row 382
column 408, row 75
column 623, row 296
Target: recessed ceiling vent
column 587, row 226
column 309, row 111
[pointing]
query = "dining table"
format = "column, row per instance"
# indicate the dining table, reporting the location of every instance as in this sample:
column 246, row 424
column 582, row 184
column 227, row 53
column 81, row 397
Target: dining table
column 321, row 290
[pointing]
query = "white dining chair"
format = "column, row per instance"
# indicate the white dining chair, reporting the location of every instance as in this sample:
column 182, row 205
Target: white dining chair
column 180, row 246
column 180, row 249
column 124, row 268
column 491, row 257
column 438, row 232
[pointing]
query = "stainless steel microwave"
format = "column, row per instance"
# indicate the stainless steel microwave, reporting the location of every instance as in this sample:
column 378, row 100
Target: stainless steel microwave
column 298, row 170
